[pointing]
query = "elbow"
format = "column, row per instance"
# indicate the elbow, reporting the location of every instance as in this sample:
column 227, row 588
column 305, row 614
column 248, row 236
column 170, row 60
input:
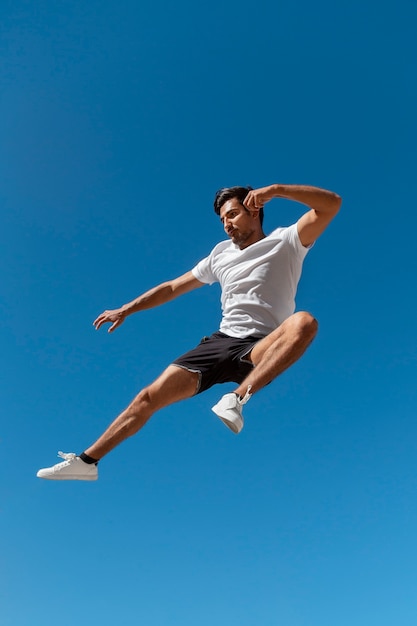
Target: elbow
column 336, row 203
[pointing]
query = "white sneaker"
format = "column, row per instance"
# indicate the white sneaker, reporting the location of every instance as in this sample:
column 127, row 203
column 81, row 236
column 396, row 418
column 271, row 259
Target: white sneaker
column 72, row 468
column 229, row 409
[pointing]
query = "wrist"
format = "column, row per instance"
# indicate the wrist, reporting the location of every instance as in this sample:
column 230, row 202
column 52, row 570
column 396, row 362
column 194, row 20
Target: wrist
column 124, row 310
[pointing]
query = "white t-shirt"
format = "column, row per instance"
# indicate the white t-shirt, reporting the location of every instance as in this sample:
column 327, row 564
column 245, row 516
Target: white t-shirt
column 258, row 283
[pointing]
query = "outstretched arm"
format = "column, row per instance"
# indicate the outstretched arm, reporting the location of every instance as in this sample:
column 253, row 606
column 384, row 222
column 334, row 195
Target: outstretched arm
column 323, row 206
column 154, row 297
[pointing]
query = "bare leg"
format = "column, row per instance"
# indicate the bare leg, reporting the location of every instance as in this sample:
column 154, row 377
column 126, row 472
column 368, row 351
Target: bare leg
column 172, row 385
column 271, row 356
column 280, row 349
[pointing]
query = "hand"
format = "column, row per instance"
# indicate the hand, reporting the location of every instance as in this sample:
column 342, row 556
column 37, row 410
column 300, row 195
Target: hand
column 258, row 197
column 116, row 317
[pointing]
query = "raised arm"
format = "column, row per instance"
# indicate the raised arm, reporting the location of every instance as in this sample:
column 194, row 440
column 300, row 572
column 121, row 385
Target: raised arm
column 323, row 204
column 154, row 297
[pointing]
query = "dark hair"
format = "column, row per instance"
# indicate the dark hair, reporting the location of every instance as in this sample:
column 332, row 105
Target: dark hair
column 228, row 193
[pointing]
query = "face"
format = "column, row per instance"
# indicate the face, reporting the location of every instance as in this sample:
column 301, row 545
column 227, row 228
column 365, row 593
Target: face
column 239, row 224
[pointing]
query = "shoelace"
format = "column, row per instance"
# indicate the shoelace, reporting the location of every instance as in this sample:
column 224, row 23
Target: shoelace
column 246, row 397
column 67, row 456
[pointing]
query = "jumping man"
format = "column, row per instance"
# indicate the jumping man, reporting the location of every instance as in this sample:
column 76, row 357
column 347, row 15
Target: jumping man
column 260, row 336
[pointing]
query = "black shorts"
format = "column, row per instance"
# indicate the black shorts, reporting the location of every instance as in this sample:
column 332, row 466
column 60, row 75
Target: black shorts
column 219, row 359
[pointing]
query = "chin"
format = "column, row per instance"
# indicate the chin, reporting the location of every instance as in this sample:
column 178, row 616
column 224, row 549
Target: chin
column 240, row 240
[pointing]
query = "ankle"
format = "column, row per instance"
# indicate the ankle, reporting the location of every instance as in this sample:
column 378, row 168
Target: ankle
column 247, row 395
column 88, row 459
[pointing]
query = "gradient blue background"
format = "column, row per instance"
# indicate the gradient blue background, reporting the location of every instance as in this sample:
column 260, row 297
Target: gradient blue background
column 119, row 120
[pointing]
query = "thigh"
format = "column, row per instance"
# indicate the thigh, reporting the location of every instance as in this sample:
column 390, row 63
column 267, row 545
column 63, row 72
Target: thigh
column 174, row 384
column 262, row 346
column 298, row 324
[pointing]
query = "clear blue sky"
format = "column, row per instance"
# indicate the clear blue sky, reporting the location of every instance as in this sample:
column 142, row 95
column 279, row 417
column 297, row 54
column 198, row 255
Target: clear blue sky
column 119, row 120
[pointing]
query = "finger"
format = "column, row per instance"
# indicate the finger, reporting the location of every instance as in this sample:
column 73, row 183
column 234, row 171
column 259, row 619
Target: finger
column 114, row 326
column 100, row 318
column 103, row 319
column 255, row 204
column 249, row 201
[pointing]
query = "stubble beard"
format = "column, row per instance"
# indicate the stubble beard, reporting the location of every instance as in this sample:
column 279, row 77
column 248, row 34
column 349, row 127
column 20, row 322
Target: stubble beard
column 239, row 239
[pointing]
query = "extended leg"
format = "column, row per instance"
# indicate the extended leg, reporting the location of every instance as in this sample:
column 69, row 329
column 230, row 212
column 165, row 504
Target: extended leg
column 172, row 385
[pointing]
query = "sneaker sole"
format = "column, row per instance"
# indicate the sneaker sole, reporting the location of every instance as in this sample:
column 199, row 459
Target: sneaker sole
column 55, row 477
column 233, row 426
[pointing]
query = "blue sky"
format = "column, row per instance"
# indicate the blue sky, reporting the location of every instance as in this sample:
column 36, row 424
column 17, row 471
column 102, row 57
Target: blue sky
column 119, row 121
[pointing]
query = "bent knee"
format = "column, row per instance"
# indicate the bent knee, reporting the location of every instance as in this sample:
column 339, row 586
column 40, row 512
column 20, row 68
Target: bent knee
column 305, row 323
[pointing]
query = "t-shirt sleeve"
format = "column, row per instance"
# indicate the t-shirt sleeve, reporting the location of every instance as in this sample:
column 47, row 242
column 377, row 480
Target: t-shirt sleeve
column 203, row 271
column 291, row 234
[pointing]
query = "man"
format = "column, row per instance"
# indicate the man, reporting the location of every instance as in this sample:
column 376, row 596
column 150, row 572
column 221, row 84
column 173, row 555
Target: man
column 260, row 336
